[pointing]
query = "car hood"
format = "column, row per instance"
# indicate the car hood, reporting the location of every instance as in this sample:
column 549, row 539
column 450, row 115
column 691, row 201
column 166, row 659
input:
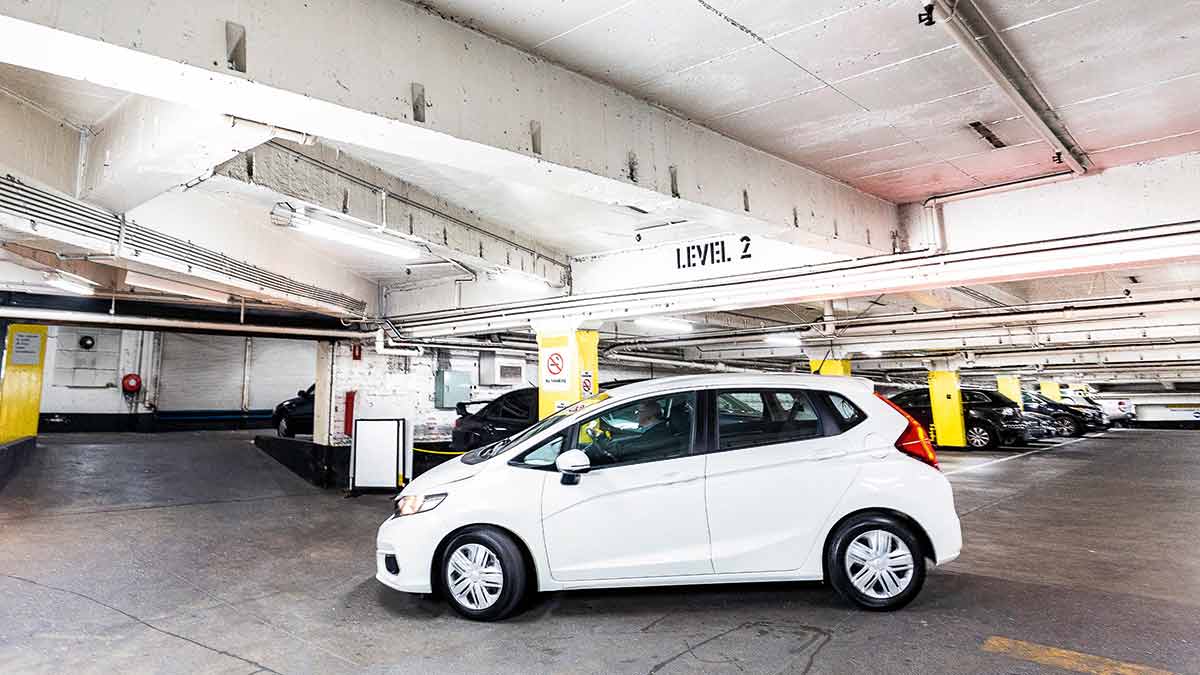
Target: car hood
column 445, row 473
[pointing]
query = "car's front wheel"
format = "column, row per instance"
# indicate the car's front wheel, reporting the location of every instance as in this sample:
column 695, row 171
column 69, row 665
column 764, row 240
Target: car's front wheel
column 483, row 574
column 981, row 437
column 876, row 561
column 1067, row 425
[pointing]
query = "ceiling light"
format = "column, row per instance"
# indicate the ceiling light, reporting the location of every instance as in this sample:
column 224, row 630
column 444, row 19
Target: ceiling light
column 71, row 283
column 138, row 280
column 872, row 353
column 782, row 340
column 665, row 324
column 310, row 222
column 522, row 280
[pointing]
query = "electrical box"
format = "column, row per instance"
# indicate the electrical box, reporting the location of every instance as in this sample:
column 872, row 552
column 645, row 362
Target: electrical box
column 450, row 387
column 501, row 369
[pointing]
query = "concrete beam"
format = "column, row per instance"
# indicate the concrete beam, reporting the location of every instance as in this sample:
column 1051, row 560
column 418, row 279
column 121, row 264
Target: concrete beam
column 324, row 177
column 147, row 146
column 37, row 145
column 356, row 86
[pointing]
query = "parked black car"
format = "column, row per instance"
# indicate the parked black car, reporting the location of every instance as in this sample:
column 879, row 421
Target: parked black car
column 1071, row 420
column 1039, row 426
column 501, row 418
column 295, row 415
column 991, row 418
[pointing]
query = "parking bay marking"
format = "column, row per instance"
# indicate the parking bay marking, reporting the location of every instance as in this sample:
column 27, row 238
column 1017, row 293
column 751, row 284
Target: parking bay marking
column 1018, row 456
column 1066, row 659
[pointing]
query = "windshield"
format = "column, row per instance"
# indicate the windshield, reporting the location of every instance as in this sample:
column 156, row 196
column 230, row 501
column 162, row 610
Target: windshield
column 491, row 450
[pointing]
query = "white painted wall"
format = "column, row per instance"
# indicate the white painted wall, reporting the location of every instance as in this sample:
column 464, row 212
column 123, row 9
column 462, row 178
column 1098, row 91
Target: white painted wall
column 37, row 146
column 398, row 386
column 89, row 381
column 1156, row 192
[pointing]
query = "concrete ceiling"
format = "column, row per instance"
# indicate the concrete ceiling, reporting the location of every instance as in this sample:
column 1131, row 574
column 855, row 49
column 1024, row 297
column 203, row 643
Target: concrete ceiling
column 857, row 90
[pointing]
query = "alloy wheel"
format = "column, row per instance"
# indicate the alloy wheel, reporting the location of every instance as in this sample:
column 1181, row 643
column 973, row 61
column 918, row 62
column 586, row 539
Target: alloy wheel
column 474, row 576
column 879, row 564
column 978, row 437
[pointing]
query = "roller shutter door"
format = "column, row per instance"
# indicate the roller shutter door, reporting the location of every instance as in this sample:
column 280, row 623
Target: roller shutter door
column 279, row 368
column 201, row 372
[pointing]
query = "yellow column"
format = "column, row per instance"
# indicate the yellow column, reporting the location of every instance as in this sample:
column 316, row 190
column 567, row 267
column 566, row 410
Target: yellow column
column 21, row 385
column 1051, row 390
column 1010, row 386
column 830, row 367
column 949, row 428
column 568, row 366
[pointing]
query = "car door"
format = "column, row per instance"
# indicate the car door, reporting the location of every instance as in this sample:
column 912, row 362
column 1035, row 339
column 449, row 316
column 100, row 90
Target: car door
column 639, row 511
column 514, row 412
column 916, row 403
column 779, row 465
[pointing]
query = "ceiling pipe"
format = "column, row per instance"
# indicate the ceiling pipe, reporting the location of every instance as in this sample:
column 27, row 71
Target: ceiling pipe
column 1010, row 77
column 58, row 316
column 679, row 363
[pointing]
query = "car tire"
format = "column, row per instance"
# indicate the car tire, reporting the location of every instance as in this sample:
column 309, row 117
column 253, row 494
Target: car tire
column 866, row 562
column 981, row 437
column 1068, row 425
column 483, row 574
column 284, row 428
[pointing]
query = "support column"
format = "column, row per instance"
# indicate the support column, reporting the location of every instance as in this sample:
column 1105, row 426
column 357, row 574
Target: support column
column 1051, row 390
column 1010, row 386
column 945, row 397
column 21, row 383
column 830, row 366
column 568, row 364
column 323, row 394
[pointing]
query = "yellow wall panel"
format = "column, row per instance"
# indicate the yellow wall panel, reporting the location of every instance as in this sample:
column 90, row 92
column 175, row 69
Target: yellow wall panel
column 21, row 382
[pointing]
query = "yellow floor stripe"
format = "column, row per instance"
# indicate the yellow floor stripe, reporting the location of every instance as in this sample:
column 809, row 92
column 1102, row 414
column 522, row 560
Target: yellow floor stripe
column 1066, row 659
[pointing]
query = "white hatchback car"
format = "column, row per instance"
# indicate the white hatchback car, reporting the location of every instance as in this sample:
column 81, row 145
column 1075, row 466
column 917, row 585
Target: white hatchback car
column 683, row 480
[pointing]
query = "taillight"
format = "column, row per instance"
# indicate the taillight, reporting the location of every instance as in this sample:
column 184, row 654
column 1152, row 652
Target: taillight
column 914, row 442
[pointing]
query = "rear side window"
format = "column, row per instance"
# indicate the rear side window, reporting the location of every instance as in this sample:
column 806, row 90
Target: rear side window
column 846, row 413
column 747, row 418
column 517, row 405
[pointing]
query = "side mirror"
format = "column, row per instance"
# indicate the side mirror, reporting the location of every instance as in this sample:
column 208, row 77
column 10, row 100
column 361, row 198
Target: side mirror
column 461, row 408
column 302, row 393
column 572, row 464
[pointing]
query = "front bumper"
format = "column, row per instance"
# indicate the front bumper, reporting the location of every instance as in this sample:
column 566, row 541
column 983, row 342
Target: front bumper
column 404, row 555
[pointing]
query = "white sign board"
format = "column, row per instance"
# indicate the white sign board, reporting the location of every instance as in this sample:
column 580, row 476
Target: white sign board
column 376, row 454
column 553, row 366
column 587, row 383
column 26, row 349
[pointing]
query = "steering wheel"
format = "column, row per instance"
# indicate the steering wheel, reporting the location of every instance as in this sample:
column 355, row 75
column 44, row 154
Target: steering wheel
column 602, row 444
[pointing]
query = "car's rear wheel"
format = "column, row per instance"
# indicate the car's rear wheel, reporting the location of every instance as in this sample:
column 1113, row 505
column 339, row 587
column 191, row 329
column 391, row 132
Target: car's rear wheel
column 1067, row 425
column 483, row 574
column 981, row 437
column 876, row 561
column 284, row 427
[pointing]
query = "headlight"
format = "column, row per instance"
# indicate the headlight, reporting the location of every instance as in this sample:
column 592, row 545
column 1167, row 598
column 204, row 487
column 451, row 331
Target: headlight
column 407, row 505
column 1008, row 412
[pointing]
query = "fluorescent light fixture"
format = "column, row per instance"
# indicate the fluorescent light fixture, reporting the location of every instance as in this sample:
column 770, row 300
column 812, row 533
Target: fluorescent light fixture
column 872, row 353
column 518, row 279
column 782, row 340
column 139, row 280
column 665, row 324
column 309, row 222
column 71, row 283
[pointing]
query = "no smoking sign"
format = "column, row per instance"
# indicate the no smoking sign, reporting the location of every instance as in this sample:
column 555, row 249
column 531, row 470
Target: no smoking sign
column 554, row 370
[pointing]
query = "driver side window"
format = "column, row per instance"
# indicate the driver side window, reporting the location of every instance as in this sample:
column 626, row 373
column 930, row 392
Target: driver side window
column 644, row 431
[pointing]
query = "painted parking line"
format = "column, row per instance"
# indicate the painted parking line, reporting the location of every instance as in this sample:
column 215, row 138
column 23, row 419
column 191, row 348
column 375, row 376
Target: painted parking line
column 1066, row 659
column 1020, row 455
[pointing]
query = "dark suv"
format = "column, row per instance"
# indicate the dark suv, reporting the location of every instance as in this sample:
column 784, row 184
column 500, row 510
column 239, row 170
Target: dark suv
column 1071, row 420
column 501, row 418
column 991, row 418
column 295, row 415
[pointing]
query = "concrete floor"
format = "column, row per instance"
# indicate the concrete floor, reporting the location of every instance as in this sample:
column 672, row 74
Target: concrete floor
column 195, row 552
